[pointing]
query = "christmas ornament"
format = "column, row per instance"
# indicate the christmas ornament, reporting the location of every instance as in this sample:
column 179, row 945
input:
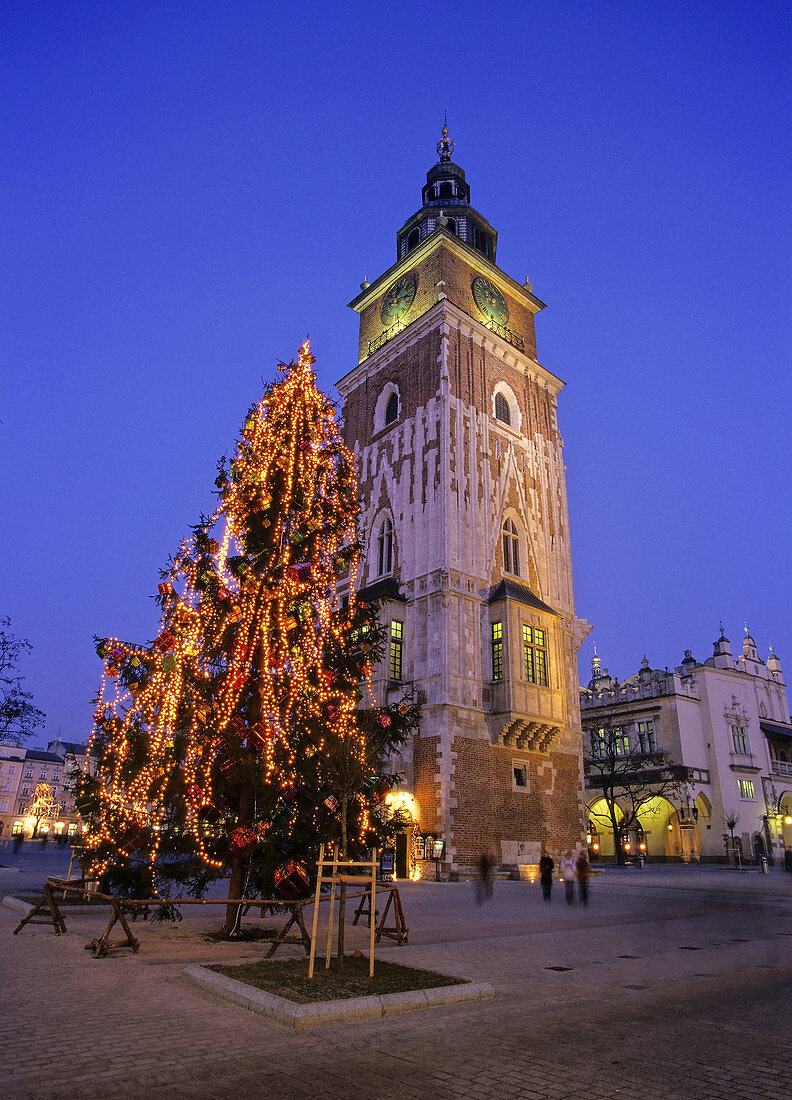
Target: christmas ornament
column 292, row 880
column 242, row 843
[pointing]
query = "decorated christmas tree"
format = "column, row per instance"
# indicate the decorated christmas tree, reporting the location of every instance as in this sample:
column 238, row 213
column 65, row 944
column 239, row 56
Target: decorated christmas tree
column 246, row 734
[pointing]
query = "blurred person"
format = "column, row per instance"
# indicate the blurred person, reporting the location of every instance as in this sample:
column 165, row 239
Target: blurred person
column 568, row 874
column 546, row 868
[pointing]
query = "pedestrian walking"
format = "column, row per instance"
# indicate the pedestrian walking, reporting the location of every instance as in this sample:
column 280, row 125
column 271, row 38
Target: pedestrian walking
column 546, row 868
column 568, row 874
column 583, row 868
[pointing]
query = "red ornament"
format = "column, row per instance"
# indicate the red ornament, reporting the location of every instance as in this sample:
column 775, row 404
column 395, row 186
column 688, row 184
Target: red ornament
column 242, row 843
column 165, row 588
column 165, row 641
column 301, row 572
column 292, row 880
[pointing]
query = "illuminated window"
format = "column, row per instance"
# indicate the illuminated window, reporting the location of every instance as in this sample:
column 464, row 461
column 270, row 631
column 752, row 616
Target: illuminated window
column 511, row 548
column 396, row 643
column 497, row 651
column 746, row 788
column 25, row 790
column 621, row 742
column 392, row 409
column 385, row 548
column 646, row 737
column 502, row 411
column 598, row 744
column 534, row 655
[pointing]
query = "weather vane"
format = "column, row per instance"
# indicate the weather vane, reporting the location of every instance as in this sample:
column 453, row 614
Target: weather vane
column 445, row 147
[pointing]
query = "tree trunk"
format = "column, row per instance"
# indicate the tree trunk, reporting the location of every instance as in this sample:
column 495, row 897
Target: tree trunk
column 237, row 883
column 617, row 848
column 342, row 853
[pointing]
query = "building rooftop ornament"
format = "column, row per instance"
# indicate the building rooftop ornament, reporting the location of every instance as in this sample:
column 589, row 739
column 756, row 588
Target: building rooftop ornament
column 445, row 147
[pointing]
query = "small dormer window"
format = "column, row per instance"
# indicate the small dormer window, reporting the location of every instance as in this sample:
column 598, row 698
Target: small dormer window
column 392, row 409
column 502, row 411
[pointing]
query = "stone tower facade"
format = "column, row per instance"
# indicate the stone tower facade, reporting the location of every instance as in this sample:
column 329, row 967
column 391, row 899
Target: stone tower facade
column 453, row 424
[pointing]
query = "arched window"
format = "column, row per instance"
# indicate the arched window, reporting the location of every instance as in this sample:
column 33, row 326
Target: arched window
column 452, row 226
column 413, row 238
column 392, row 409
column 502, row 409
column 511, row 548
column 445, row 191
column 385, row 548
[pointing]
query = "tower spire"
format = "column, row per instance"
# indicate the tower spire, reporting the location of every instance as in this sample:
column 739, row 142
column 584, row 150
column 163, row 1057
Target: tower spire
column 445, row 147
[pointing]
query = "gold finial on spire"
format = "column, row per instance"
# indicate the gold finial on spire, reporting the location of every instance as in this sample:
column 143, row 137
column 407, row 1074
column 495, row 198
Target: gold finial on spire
column 445, row 147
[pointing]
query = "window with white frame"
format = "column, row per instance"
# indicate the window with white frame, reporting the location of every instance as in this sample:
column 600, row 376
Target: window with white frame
column 3, row 805
column 511, row 548
column 746, row 788
column 646, row 737
column 504, row 406
column 385, row 548
column 502, row 411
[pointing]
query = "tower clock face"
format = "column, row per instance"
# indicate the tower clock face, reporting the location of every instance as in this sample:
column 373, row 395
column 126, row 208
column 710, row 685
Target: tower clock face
column 398, row 300
column 490, row 301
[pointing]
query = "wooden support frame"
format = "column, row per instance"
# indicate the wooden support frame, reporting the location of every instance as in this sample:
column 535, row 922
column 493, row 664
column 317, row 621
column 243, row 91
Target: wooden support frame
column 123, row 908
column 399, row 931
column 342, row 880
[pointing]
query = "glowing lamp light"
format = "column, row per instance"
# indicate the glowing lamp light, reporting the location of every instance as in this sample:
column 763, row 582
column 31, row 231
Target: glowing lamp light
column 642, row 846
column 670, row 827
column 627, row 846
column 788, row 819
column 595, row 846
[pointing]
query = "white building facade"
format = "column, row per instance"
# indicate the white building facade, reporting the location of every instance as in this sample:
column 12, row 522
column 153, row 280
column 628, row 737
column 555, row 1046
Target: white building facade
column 727, row 720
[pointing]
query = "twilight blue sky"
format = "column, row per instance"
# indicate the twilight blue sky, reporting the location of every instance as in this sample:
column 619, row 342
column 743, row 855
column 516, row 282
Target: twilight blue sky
column 190, row 187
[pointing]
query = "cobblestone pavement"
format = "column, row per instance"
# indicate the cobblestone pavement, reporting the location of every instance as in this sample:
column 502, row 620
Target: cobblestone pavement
column 678, row 987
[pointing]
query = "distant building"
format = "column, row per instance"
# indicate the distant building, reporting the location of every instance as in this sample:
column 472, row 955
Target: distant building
column 728, row 721
column 21, row 772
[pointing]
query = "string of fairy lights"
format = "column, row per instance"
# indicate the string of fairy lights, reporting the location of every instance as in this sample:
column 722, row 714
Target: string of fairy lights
column 239, row 669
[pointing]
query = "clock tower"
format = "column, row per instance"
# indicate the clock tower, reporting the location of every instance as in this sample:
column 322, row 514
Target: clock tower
column 453, row 424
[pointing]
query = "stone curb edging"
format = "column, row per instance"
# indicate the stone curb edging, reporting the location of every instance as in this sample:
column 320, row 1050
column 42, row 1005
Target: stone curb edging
column 19, row 906
column 327, row 1012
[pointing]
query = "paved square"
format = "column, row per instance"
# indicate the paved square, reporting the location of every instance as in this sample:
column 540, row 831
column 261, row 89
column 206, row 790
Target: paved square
column 674, row 983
